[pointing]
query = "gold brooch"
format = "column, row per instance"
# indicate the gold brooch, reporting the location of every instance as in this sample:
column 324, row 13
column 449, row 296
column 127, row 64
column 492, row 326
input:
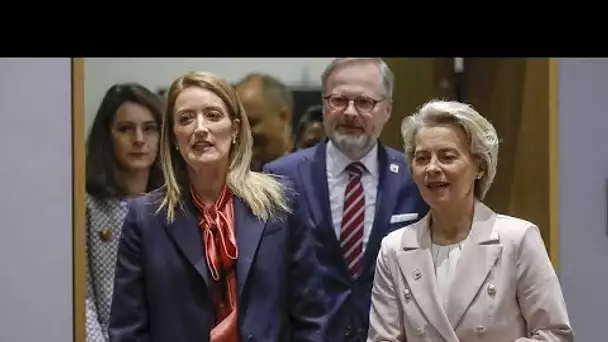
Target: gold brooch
column 105, row 234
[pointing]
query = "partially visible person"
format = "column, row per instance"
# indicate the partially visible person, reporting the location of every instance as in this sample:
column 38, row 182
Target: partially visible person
column 310, row 130
column 463, row 272
column 162, row 93
column 121, row 163
column 354, row 190
column 269, row 106
column 216, row 254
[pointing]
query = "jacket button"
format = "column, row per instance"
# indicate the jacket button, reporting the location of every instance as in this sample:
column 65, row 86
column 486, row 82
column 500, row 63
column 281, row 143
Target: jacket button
column 408, row 294
column 492, row 290
column 348, row 332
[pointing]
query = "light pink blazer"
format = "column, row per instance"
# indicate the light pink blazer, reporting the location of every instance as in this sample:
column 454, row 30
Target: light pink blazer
column 504, row 289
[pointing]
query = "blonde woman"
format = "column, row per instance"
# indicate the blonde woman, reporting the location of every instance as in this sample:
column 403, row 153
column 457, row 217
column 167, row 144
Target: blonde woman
column 215, row 255
column 463, row 272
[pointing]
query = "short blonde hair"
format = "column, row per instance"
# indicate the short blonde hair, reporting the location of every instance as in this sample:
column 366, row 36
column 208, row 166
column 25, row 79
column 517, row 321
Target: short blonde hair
column 263, row 194
column 482, row 137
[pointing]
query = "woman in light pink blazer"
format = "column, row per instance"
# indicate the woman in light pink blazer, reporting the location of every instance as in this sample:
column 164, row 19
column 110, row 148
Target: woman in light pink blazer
column 462, row 273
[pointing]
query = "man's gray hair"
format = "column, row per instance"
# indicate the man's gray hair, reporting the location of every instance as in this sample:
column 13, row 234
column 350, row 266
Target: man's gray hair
column 388, row 78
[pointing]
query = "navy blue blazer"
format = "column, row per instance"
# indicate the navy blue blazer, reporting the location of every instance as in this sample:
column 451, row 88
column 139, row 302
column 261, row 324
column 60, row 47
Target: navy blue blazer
column 160, row 289
column 349, row 299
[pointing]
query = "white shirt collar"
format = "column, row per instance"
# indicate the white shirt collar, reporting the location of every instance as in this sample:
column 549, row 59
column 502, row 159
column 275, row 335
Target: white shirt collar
column 337, row 161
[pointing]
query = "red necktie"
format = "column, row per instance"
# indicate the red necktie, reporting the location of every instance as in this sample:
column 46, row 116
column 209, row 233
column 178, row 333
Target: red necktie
column 351, row 232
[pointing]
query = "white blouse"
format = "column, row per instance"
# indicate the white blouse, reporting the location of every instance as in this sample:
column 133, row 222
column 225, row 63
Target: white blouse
column 446, row 262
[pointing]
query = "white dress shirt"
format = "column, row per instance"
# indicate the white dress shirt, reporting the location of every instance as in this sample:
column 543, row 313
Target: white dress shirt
column 445, row 259
column 337, row 179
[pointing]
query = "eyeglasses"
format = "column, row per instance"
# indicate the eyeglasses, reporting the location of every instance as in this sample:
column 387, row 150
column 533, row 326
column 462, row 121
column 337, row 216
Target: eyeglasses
column 363, row 104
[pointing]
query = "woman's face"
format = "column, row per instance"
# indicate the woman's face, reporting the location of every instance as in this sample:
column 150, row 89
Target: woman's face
column 202, row 127
column 135, row 137
column 312, row 134
column 443, row 167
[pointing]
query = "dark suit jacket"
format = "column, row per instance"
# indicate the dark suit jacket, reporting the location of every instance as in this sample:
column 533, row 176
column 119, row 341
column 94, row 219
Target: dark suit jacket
column 160, row 291
column 349, row 299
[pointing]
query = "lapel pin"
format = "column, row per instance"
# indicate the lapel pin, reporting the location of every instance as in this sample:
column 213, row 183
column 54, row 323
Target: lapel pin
column 417, row 274
column 105, row 234
column 394, row 168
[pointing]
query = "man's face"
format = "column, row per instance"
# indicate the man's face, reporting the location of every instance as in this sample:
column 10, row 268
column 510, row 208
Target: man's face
column 269, row 125
column 356, row 107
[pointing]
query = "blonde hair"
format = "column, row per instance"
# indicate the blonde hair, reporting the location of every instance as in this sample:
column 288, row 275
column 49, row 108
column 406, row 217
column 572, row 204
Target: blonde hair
column 264, row 194
column 482, row 137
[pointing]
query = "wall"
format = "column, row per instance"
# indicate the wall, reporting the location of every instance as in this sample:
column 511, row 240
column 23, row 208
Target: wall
column 36, row 197
column 515, row 95
column 101, row 73
column 583, row 168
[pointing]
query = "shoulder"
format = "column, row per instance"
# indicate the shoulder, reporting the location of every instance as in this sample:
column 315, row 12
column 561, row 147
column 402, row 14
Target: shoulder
column 390, row 245
column 392, row 241
column 149, row 202
column 292, row 160
column 396, row 157
column 94, row 202
column 262, row 181
column 289, row 189
column 285, row 182
column 145, row 207
column 412, row 232
column 96, row 205
column 513, row 230
column 394, row 154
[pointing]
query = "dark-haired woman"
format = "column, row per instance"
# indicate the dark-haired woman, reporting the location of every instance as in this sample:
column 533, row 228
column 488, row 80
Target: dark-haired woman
column 121, row 164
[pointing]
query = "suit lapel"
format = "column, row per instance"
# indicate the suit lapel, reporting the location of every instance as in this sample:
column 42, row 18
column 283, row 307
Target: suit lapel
column 314, row 176
column 185, row 233
column 479, row 255
column 248, row 231
column 416, row 265
column 389, row 186
column 315, row 186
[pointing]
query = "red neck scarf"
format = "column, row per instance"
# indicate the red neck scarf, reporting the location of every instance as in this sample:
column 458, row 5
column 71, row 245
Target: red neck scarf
column 217, row 227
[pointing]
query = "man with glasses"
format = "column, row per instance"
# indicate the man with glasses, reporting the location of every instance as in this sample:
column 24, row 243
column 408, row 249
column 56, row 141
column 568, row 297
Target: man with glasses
column 353, row 190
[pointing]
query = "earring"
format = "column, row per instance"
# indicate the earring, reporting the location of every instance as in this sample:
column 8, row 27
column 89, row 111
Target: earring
column 176, row 148
column 233, row 140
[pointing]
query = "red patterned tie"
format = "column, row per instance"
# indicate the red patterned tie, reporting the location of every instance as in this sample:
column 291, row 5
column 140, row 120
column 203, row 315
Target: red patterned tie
column 351, row 232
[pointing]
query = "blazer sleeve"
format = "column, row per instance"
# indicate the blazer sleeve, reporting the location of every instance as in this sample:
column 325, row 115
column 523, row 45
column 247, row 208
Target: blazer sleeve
column 385, row 319
column 129, row 315
column 539, row 292
column 94, row 332
column 307, row 306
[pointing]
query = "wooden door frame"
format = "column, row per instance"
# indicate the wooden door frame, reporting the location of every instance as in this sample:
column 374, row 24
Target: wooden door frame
column 554, row 162
column 520, row 97
column 79, row 202
column 420, row 79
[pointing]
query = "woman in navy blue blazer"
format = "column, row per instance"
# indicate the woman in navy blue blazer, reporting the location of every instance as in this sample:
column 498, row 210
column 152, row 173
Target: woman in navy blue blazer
column 214, row 255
